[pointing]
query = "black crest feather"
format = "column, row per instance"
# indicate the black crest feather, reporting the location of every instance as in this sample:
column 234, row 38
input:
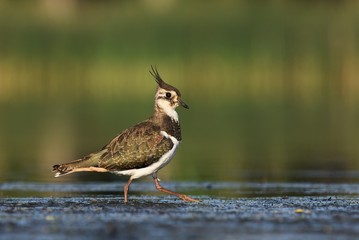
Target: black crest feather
column 156, row 75
column 161, row 83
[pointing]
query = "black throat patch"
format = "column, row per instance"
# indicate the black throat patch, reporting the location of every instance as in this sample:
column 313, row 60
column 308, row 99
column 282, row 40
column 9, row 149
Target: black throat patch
column 171, row 127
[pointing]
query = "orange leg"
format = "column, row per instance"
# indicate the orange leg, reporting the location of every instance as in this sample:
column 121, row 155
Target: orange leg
column 182, row 196
column 125, row 189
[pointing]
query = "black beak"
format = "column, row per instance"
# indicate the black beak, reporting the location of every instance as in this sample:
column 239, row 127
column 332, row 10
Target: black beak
column 183, row 104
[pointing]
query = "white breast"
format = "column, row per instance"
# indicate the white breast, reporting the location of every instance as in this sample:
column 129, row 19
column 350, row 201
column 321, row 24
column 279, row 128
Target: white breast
column 154, row 167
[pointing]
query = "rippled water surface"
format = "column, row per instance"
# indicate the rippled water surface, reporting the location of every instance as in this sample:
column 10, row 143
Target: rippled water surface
column 228, row 210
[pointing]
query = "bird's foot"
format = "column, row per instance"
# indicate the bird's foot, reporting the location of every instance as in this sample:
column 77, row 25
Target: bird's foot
column 187, row 198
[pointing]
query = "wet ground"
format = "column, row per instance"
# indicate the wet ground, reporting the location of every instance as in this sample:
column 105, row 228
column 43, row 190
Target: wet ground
column 225, row 211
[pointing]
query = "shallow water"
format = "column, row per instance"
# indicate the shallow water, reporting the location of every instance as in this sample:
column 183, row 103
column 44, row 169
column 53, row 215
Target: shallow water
column 245, row 210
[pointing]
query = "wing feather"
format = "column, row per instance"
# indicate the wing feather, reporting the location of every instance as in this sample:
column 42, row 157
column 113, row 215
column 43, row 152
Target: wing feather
column 136, row 147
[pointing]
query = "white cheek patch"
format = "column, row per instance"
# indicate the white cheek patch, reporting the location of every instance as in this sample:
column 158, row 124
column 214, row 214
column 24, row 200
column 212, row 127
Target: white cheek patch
column 167, row 108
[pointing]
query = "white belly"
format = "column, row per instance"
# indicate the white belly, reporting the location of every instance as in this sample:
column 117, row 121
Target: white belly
column 154, row 167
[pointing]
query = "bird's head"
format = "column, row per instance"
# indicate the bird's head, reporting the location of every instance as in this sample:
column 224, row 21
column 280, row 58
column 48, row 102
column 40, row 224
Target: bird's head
column 167, row 97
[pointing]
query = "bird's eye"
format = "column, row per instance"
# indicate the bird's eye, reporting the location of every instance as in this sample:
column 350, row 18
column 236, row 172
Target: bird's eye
column 168, row 94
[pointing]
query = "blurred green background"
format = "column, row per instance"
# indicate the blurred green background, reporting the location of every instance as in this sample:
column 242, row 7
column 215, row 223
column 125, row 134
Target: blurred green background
column 272, row 86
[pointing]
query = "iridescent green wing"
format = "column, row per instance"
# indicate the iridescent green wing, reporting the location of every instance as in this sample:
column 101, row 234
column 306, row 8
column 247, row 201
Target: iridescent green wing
column 136, row 147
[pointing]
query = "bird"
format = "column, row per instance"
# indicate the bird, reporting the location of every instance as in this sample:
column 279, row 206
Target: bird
column 140, row 150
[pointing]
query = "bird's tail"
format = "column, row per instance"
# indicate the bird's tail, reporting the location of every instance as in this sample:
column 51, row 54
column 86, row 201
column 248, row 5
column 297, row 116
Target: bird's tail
column 88, row 163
